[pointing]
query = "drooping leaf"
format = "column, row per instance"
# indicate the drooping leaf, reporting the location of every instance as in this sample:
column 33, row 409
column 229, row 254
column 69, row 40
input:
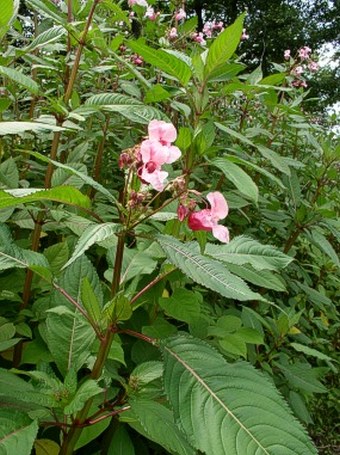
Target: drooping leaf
column 49, row 36
column 61, row 194
column 238, row 177
column 244, row 250
column 228, row 408
column 93, row 234
column 204, row 270
column 20, row 78
column 163, row 60
column 17, row 432
column 21, row 127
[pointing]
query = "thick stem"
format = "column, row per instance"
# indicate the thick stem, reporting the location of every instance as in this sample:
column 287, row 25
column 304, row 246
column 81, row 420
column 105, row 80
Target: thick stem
column 72, row 436
column 292, row 239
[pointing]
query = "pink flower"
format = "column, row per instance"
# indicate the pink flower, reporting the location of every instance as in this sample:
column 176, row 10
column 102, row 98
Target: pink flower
column 161, row 131
column 313, row 67
column 286, row 54
column 137, row 59
column 298, row 70
column 182, row 212
column 181, row 14
column 244, row 35
column 156, row 151
column 138, row 2
column 208, row 29
column 150, row 14
column 304, row 52
column 172, row 34
column 207, row 219
column 198, row 37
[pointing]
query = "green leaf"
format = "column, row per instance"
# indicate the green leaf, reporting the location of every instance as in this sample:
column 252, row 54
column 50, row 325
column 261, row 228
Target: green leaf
column 155, row 94
column 324, row 245
column 21, row 127
column 276, row 160
column 301, row 376
column 21, row 79
column 86, row 179
column 227, row 408
column 87, row 390
column 8, row 11
column 9, row 174
column 46, row 447
column 131, row 108
column 146, row 372
column 17, row 432
column 47, row 37
column 244, row 250
column 90, row 300
column 49, row 10
column 183, row 305
column 93, row 234
column 234, row 344
column 310, row 351
column 265, row 278
column 224, row 46
column 205, row 271
column 121, row 443
column 165, row 61
column 69, row 338
column 238, row 177
column 118, row 309
column 61, row 194
column 156, row 422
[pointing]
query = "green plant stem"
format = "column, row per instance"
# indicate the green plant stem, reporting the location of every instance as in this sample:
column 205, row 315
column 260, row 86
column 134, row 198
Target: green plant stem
column 73, row 434
column 99, row 158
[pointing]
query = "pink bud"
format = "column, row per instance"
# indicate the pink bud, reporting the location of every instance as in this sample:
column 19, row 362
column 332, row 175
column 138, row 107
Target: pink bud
column 182, row 212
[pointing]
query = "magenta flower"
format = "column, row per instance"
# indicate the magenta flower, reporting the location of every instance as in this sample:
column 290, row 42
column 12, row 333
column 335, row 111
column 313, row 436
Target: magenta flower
column 207, row 219
column 150, row 14
column 172, row 34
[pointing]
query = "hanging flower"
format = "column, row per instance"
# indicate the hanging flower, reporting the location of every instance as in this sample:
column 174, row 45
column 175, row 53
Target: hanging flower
column 244, row 35
column 172, row 34
column 181, row 14
column 156, row 151
column 286, row 54
column 207, row 219
column 151, row 14
column 304, row 52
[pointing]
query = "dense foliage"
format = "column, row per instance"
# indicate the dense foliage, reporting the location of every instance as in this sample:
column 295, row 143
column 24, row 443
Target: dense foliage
column 168, row 239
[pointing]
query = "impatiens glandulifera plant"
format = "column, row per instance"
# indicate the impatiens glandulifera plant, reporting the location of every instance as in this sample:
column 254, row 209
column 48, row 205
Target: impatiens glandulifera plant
column 131, row 320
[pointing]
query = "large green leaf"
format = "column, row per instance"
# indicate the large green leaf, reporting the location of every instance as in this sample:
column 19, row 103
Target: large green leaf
column 238, row 177
column 93, row 234
column 224, row 46
column 156, row 422
column 204, row 270
column 17, row 432
column 62, row 194
column 49, row 36
column 20, row 78
column 48, row 9
column 131, row 108
column 69, row 338
column 228, row 408
column 163, row 60
column 244, row 250
column 21, row 127
column 9, row 9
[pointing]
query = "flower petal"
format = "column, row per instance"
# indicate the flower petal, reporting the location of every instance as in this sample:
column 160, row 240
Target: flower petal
column 219, row 206
column 201, row 220
column 221, row 233
column 156, row 178
column 173, row 153
column 152, row 150
column 162, row 131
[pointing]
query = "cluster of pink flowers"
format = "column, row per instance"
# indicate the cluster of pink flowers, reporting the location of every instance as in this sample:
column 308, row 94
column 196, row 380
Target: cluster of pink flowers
column 151, row 14
column 210, row 27
column 172, row 33
column 303, row 62
column 156, row 151
column 198, row 38
column 208, row 218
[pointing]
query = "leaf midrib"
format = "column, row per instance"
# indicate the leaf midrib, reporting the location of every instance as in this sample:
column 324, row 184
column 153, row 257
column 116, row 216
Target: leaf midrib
column 216, row 398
